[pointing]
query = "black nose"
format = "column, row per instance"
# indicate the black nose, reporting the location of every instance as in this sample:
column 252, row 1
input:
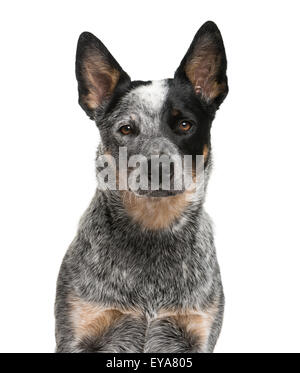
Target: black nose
column 158, row 171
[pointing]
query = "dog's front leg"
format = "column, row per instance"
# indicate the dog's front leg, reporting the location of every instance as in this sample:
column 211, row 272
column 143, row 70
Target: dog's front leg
column 89, row 327
column 180, row 333
column 126, row 333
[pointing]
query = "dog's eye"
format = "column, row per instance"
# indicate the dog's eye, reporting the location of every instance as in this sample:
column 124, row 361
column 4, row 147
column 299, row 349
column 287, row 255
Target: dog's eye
column 185, row 126
column 126, row 130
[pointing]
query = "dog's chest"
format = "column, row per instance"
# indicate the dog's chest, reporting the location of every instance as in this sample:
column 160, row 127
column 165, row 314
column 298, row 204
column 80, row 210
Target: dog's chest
column 149, row 274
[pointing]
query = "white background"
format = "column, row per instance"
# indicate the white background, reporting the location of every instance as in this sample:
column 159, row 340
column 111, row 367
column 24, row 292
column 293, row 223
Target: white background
column 48, row 145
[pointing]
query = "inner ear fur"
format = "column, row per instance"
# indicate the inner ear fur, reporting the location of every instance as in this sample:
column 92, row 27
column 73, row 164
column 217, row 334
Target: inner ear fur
column 97, row 72
column 204, row 64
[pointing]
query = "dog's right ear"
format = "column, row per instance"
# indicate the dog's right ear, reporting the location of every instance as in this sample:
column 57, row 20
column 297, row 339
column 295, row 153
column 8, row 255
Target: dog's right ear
column 97, row 72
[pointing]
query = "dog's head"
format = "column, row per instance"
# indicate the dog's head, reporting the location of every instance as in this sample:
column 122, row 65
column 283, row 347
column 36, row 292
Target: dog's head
column 171, row 117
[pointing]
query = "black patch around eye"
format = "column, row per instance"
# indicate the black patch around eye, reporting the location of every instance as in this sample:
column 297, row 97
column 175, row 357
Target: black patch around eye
column 181, row 105
column 179, row 127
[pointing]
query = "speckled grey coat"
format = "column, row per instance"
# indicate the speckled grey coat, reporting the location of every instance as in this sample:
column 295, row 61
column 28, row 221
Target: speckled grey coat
column 122, row 286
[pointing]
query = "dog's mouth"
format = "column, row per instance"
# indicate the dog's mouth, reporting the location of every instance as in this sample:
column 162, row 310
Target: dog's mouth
column 157, row 193
column 157, row 182
column 158, row 186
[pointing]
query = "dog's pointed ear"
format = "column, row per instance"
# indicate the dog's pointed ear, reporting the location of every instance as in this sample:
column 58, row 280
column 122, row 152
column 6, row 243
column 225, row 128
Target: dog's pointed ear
column 97, row 72
column 204, row 65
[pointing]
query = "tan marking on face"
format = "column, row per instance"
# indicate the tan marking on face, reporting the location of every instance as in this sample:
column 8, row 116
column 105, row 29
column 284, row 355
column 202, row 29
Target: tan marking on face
column 154, row 212
column 205, row 152
column 205, row 155
column 91, row 319
column 175, row 112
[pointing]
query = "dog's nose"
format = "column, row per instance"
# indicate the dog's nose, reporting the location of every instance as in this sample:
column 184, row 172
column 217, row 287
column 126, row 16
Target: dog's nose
column 160, row 174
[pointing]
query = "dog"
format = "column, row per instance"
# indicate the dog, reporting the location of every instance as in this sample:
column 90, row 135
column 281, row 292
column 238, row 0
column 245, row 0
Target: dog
column 141, row 274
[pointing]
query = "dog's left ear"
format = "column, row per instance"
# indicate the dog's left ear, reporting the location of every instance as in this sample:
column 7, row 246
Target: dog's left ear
column 98, row 74
column 204, row 65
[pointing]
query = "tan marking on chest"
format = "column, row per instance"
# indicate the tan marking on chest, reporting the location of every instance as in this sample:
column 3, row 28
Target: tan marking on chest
column 153, row 212
column 196, row 323
column 90, row 318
